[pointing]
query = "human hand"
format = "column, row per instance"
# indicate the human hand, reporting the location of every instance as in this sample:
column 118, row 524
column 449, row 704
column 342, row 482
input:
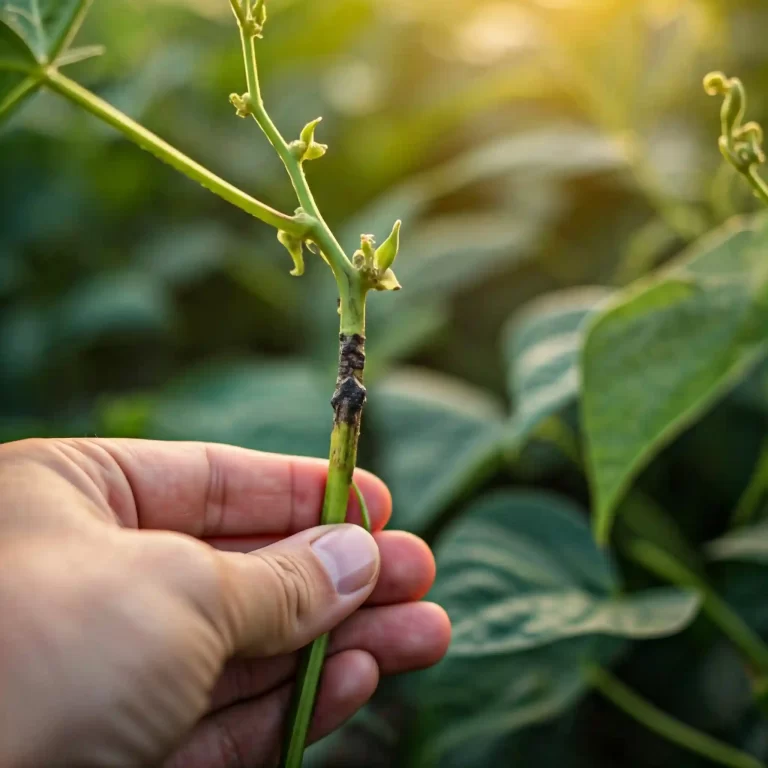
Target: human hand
column 136, row 630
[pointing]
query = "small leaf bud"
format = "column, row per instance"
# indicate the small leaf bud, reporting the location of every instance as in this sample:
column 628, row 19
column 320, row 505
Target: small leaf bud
column 387, row 282
column 242, row 104
column 386, row 253
column 305, row 147
column 294, row 247
column 715, row 84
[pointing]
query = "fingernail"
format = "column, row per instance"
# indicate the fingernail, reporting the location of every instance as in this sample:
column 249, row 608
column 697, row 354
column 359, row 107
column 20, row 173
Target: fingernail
column 350, row 556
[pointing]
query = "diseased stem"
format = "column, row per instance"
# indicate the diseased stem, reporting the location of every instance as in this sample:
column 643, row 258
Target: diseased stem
column 371, row 269
column 348, row 401
column 665, row 725
column 170, row 155
column 353, row 280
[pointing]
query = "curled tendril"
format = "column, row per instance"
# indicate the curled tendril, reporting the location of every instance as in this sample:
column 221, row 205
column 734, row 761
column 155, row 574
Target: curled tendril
column 715, row 84
column 741, row 144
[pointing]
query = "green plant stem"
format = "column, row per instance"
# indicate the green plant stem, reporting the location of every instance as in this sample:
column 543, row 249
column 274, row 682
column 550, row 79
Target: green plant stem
column 18, row 93
column 341, row 467
column 349, row 397
column 757, row 183
column 665, row 725
column 170, row 155
column 753, row 494
column 321, row 232
column 730, row 623
column 364, row 515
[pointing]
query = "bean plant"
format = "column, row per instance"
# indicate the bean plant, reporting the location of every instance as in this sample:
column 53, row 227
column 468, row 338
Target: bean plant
column 36, row 45
column 612, row 388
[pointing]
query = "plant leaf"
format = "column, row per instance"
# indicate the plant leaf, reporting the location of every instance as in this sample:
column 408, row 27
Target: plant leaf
column 46, row 26
column 542, row 343
column 403, row 335
column 126, row 302
column 664, row 351
column 280, row 407
column 434, row 437
column 15, row 55
column 456, row 250
column 32, row 34
column 530, row 597
column 746, row 545
column 500, row 699
column 183, row 254
column 17, row 62
column 452, row 252
column 555, row 153
column 76, row 55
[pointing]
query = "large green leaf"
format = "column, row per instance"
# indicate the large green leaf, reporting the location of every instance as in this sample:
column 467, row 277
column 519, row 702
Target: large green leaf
column 542, row 343
column 24, row 342
column 531, row 598
column 455, row 250
column 665, row 350
column 746, row 545
column 281, row 407
column 557, row 153
column 17, row 63
column 127, row 302
column 429, row 437
column 442, row 255
column 181, row 255
column 15, row 55
column 405, row 333
column 473, row 708
column 32, row 34
column 738, row 567
column 434, row 438
column 45, row 26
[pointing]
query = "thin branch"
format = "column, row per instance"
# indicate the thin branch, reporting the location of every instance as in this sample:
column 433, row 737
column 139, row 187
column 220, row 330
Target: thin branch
column 730, row 623
column 757, row 183
column 321, row 232
column 170, row 155
column 665, row 725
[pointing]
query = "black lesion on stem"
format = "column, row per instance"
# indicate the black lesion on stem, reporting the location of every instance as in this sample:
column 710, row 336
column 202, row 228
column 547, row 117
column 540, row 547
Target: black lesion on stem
column 349, row 398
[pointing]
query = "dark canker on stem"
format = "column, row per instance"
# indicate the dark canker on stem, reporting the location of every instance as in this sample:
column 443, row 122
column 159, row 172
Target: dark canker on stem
column 349, row 398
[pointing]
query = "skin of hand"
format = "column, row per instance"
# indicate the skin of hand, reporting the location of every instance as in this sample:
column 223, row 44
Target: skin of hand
column 153, row 596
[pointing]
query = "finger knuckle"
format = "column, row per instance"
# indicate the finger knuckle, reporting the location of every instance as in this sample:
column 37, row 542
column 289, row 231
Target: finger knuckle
column 294, row 597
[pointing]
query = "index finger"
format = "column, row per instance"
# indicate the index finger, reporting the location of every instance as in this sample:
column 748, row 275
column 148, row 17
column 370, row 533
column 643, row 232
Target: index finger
column 210, row 489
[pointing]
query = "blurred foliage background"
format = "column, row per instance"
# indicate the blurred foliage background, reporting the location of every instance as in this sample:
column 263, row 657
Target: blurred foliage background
column 529, row 147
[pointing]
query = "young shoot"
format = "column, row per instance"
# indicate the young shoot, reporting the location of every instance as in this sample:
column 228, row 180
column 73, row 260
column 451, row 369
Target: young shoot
column 741, row 144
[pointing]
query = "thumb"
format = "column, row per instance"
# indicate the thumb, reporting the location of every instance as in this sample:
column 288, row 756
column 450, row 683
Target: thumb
column 281, row 597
